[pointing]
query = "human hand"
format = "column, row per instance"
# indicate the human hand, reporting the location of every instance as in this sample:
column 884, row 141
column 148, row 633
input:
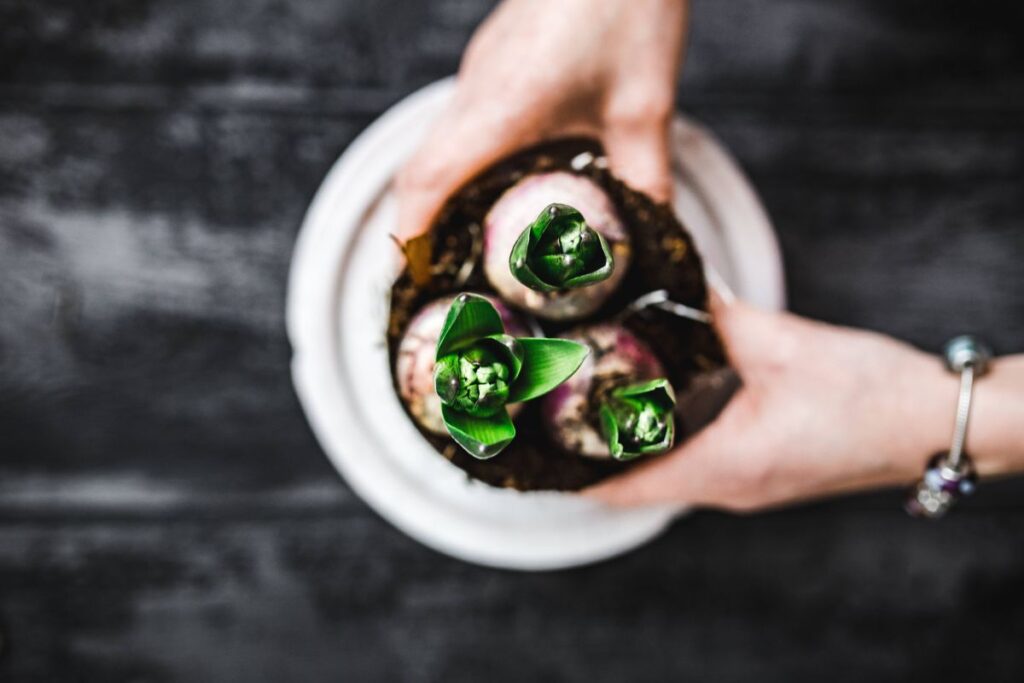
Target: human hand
column 823, row 410
column 538, row 70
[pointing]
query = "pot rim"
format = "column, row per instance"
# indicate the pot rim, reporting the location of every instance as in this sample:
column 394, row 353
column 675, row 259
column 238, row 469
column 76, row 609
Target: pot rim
column 342, row 267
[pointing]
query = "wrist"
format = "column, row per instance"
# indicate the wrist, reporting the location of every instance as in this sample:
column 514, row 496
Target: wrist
column 928, row 412
column 995, row 430
column 995, row 433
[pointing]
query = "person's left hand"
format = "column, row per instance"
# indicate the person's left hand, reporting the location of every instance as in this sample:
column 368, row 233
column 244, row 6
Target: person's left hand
column 538, row 71
column 823, row 410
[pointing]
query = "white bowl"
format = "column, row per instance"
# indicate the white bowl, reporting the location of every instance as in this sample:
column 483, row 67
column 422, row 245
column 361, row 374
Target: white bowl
column 342, row 269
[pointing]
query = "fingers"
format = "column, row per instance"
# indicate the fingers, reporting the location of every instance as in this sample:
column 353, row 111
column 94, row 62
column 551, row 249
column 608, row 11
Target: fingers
column 685, row 476
column 436, row 170
column 639, row 156
column 459, row 146
column 714, row 467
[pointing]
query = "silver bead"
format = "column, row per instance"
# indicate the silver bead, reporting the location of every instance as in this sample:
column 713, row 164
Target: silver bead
column 933, row 479
column 967, row 351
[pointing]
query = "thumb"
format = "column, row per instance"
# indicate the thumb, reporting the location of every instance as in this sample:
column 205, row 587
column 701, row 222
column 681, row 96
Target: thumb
column 750, row 335
column 639, row 156
column 691, row 474
column 697, row 471
column 433, row 173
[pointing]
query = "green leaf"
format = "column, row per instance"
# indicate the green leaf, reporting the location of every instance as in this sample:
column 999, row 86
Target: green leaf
column 481, row 437
column 658, row 391
column 446, row 377
column 509, row 350
column 654, row 448
column 546, row 364
column 521, row 270
column 469, row 318
column 610, row 427
column 595, row 276
column 538, row 258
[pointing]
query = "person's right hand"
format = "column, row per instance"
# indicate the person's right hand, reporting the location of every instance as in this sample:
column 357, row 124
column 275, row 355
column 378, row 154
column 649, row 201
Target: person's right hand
column 825, row 410
column 538, row 70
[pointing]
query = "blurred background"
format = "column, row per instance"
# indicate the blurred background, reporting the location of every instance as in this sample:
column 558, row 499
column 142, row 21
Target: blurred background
column 166, row 515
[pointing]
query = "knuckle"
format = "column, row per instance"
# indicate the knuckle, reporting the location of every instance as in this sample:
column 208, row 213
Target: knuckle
column 661, row 110
column 751, row 480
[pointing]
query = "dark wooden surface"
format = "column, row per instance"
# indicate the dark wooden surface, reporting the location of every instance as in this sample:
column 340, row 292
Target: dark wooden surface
column 165, row 514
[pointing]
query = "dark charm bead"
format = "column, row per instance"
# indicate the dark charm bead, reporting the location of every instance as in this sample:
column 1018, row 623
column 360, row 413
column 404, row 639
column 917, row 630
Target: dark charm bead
column 941, row 487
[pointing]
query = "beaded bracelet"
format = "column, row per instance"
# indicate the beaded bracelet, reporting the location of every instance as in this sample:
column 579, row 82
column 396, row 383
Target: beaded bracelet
column 950, row 476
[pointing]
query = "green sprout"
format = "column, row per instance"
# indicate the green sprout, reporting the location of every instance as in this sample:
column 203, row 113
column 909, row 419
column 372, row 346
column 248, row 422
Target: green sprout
column 638, row 419
column 559, row 251
column 480, row 369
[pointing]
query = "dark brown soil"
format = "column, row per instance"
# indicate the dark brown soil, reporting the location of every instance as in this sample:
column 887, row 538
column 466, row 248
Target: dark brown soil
column 663, row 258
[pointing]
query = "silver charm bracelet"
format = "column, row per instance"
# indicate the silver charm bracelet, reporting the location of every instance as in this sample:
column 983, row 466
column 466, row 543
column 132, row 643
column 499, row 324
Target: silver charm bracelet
column 950, row 476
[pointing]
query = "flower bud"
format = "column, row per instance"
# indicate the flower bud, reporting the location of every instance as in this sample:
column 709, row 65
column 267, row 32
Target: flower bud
column 474, row 381
column 637, row 419
column 415, row 366
column 559, row 251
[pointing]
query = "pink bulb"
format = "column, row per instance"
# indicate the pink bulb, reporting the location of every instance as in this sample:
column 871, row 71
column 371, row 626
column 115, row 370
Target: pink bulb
column 518, row 207
column 415, row 364
column 617, row 356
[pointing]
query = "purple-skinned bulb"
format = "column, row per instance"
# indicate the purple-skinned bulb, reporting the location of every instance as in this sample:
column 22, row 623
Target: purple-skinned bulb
column 520, row 206
column 414, row 366
column 617, row 358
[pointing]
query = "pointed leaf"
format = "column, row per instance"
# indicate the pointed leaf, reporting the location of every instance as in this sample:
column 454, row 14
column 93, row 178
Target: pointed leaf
column 510, row 350
column 611, row 431
column 536, row 259
column 520, row 268
column 633, row 397
column 481, row 437
column 658, row 391
column 623, row 454
column 546, row 364
column 602, row 273
column 621, row 451
column 469, row 318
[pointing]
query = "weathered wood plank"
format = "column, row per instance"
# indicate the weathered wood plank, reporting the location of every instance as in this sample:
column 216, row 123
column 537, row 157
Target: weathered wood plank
column 165, row 514
column 787, row 596
column 872, row 45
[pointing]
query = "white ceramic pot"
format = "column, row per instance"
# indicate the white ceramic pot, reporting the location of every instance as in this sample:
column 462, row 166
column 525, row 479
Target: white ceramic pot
column 342, row 269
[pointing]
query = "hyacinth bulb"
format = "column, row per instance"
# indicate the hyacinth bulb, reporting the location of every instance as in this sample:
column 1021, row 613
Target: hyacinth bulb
column 572, row 257
column 617, row 360
column 480, row 368
column 415, row 366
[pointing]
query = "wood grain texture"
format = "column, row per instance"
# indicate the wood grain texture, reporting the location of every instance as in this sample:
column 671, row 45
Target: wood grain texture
column 166, row 515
